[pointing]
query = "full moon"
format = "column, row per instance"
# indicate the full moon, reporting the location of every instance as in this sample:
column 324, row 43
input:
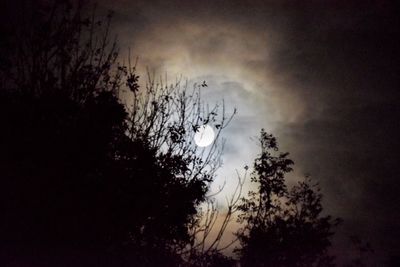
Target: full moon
column 204, row 136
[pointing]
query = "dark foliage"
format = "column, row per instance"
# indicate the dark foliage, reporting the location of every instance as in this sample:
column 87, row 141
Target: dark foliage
column 283, row 227
column 82, row 183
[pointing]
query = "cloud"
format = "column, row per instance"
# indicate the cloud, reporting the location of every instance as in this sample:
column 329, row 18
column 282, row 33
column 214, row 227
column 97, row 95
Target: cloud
column 322, row 77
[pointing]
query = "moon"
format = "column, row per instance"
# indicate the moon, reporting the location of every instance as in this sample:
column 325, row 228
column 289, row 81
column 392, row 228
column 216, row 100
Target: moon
column 204, row 136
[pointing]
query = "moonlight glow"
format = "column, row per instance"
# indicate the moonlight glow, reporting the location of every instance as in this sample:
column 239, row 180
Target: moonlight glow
column 204, row 136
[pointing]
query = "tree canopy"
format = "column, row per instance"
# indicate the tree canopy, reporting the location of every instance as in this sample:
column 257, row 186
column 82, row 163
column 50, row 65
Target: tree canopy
column 80, row 170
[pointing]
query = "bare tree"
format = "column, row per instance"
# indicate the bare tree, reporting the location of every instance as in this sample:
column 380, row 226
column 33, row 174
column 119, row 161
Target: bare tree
column 209, row 228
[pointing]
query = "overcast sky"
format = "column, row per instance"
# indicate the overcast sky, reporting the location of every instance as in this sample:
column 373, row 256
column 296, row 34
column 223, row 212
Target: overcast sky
column 322, row 77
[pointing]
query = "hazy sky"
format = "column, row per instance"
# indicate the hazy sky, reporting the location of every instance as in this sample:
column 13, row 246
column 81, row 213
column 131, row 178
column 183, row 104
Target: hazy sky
column 322, row 76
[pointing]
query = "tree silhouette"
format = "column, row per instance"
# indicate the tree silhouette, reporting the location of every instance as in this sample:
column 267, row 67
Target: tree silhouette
column 282, row 227
column 85, row 179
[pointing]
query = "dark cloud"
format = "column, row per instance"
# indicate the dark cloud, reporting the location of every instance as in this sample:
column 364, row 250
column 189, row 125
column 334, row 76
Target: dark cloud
column 322, row 76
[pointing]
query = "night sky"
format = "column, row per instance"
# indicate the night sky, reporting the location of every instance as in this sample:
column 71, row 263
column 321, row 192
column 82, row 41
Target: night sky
column 322, row 76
